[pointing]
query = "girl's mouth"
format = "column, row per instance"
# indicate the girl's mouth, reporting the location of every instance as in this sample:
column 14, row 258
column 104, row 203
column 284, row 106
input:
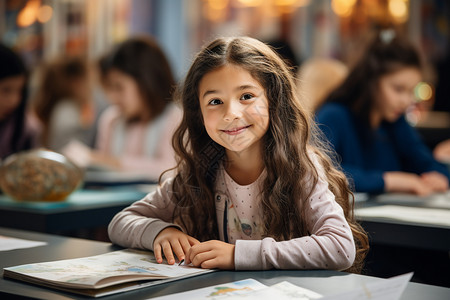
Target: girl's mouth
column 236, row 130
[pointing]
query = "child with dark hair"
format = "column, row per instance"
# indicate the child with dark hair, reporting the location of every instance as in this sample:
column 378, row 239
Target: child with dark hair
column 16, row 131
column 64, row 103
column 364, row 120
column 135, row 132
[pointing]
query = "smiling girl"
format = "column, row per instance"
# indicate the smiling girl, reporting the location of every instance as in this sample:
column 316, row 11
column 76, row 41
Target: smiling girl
column 253, row 188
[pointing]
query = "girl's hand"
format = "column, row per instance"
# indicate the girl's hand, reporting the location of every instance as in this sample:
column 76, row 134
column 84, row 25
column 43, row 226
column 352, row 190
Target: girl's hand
column 170, row 241
column 406, row 183
column 212, row 254
column 437, row 181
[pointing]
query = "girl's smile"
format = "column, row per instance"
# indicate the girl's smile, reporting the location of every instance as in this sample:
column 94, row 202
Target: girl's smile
column 234, row 108
column 235, row 131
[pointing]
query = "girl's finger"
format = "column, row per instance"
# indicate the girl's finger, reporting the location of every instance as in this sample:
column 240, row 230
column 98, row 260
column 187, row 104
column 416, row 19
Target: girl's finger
column 177, row 249
column 157, row 252
column 185, row 245
column 202, row 257
column 193, row 241
column 167, row 249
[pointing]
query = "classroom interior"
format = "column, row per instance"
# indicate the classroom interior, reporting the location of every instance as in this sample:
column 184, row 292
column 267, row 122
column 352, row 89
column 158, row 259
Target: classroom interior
column 406, row 233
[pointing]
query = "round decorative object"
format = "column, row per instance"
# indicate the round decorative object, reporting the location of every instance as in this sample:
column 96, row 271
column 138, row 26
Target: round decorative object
column 39, row 175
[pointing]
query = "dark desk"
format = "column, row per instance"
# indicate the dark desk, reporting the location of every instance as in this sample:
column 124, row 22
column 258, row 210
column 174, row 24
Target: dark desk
column 399, row 245
column 397, row 232
column 321, row 281
column 83, row 209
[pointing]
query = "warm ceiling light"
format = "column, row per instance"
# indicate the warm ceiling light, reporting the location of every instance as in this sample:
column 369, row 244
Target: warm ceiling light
column 398, row 8
column 45, row 13
column 28, row 14
column 343, row 8
column 251, row 3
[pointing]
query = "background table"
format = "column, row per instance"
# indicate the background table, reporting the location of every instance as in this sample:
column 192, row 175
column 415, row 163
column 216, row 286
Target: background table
column 321, row 281
column 399, row 246
column 84, row 209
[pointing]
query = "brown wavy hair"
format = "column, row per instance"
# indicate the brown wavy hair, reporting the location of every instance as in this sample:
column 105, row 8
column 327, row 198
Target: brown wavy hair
column 289, row 139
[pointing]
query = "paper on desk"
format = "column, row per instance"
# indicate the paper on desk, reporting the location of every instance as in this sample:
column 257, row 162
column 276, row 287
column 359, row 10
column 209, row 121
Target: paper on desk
column 218, row 291
column 9, row 243
column 280, row 291
column 438, row 200
column 411, row 214
column 387, row 289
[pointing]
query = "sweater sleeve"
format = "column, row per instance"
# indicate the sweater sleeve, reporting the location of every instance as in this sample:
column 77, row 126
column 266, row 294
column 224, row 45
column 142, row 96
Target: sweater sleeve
column 330, row 244
column 137, row 225
column 417, row 157
column 336, row 124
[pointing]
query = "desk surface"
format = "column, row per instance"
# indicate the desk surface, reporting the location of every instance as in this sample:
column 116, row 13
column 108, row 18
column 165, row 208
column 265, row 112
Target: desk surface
column 321, row 281
column 83, row 209
column 404, row 233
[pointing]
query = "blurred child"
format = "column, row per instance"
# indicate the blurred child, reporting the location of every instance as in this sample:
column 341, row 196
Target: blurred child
column 64, row 104
column 135, row 132
column 249, row 173
column 365, row 123
column 16, row 131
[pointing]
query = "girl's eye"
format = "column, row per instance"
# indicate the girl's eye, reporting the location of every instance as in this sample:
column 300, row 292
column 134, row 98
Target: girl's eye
column 215, row 102
column 246, row 97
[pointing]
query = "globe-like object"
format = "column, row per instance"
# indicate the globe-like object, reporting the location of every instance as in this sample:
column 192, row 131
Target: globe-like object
column 39, row 175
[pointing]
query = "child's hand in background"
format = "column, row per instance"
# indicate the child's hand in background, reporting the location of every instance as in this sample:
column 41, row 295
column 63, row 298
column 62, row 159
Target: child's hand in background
column 172, row 241
column 437, row 181
column 211, row 254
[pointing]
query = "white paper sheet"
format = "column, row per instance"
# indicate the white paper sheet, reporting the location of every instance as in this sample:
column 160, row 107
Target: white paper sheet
column 9, row 243
column 388, row 289
column 404, row 213
column 219, row 291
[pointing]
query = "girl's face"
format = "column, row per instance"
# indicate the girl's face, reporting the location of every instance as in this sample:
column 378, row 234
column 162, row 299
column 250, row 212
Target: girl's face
column 124, row 92
column 234, row 108
column 396, row 93
column 10, row 94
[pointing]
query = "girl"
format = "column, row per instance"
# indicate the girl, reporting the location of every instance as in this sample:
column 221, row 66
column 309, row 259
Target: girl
column 64, row 103
column 135, row 132
column 249, row 173
column 365, row 123
column 16, row 131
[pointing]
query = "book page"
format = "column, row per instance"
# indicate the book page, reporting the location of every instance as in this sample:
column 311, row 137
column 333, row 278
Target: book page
column 101, row 270
column 9, row 243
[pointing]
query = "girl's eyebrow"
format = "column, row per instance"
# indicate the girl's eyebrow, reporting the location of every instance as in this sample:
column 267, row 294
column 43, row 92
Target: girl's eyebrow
column 239, row 88
column 209, row 92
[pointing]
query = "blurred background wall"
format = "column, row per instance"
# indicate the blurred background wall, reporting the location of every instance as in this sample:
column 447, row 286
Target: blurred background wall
column 301, row 29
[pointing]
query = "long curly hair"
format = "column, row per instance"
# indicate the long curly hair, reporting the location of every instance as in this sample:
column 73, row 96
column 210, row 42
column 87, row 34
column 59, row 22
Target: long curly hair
column 289, row 139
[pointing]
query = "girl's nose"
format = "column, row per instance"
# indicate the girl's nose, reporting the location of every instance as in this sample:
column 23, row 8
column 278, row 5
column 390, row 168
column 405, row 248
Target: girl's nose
column 233, row 112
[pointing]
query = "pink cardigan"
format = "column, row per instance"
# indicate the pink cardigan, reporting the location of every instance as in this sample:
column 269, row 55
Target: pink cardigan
column 141, row 148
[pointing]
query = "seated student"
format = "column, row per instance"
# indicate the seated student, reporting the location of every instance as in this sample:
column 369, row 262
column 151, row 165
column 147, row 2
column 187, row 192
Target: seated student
column 364, row 121
column 16, row 130
column 64, row 103
column 135, row 133
column 249, row 173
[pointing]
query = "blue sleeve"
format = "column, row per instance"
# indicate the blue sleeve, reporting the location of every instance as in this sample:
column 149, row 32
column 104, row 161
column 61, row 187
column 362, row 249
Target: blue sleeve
column 336, row 123
column 418, row 158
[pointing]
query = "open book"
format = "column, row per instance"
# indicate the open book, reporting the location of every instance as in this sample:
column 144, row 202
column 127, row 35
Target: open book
column 103, row 274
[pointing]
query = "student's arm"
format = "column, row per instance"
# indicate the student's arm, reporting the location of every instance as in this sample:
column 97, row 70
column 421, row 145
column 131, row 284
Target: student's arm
column 418, row 158
column 138, row 225
column 330, row 244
